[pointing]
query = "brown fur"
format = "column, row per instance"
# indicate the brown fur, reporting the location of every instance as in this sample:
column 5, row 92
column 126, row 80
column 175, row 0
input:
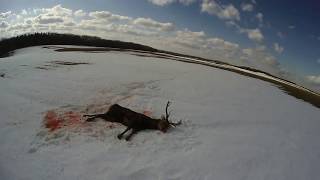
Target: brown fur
column 133, row 120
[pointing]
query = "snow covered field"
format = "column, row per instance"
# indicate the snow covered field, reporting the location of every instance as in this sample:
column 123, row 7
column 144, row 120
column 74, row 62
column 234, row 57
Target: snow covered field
column 234, row 127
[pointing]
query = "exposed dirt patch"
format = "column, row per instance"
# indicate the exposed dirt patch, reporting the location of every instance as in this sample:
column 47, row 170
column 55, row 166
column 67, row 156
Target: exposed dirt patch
column 2, row 75
column 51, row 47
column 42, row 67
column 57, row 64
column 68, row 63
column 83, row 49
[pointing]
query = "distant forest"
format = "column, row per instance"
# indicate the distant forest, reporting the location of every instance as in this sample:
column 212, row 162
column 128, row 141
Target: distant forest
column 37, row 39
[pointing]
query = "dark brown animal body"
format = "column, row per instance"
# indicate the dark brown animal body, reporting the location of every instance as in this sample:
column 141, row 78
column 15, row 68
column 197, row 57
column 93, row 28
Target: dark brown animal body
column 133, row 120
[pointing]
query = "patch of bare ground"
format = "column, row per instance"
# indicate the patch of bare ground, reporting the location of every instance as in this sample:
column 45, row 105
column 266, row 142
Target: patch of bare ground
column 50, row 47
column 41, row 67
column 68, row 63
column 57, row 64
column 82, row 49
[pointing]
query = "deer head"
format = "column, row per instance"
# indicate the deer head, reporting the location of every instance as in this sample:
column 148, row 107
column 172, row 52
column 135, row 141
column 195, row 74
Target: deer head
column 164, row 123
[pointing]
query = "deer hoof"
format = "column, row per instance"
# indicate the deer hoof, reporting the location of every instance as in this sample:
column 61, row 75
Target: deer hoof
column 90, row 119
column 119, row 136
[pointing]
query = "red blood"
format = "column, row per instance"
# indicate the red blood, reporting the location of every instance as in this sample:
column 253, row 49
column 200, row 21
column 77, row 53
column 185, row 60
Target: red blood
column 147, row 112
column 72, row 118
column 52, row 121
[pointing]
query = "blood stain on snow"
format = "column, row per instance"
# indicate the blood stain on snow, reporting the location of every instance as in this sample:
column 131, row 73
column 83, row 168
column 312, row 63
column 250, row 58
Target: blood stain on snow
column 51, row 121
column 69, row 119
column 72, row 118
column 147, row 113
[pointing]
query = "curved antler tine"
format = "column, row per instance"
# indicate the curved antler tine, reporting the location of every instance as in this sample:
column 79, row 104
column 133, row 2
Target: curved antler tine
column 167, row 114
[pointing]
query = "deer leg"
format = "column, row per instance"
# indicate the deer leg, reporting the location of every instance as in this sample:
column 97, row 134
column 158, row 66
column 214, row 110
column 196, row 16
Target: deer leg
column 92, row 117
column 134, row 131
column 121, row 134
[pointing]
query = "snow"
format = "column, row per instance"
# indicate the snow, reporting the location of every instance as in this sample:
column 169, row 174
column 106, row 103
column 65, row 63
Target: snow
column 234, row 127
column 231, row 67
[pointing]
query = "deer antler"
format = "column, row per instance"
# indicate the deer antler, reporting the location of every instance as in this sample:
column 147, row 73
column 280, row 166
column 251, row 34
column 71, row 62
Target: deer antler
column 167, row 114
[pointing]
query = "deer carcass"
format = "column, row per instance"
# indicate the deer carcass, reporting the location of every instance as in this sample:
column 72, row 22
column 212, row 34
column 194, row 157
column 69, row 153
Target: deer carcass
column 133, row 120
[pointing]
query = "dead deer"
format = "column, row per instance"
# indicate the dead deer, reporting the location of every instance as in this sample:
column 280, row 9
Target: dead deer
column 133, row 120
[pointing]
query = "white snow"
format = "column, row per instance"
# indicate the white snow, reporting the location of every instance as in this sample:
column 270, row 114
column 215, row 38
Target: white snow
column 231, row 67
column 234, row 127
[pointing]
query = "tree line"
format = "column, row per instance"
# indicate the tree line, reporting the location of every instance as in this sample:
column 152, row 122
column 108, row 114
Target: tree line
column 36, row 39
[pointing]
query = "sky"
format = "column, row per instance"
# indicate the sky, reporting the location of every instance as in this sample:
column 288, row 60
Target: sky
column 280, row 37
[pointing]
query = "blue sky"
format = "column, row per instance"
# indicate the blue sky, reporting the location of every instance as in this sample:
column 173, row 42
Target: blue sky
column 284, row 35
